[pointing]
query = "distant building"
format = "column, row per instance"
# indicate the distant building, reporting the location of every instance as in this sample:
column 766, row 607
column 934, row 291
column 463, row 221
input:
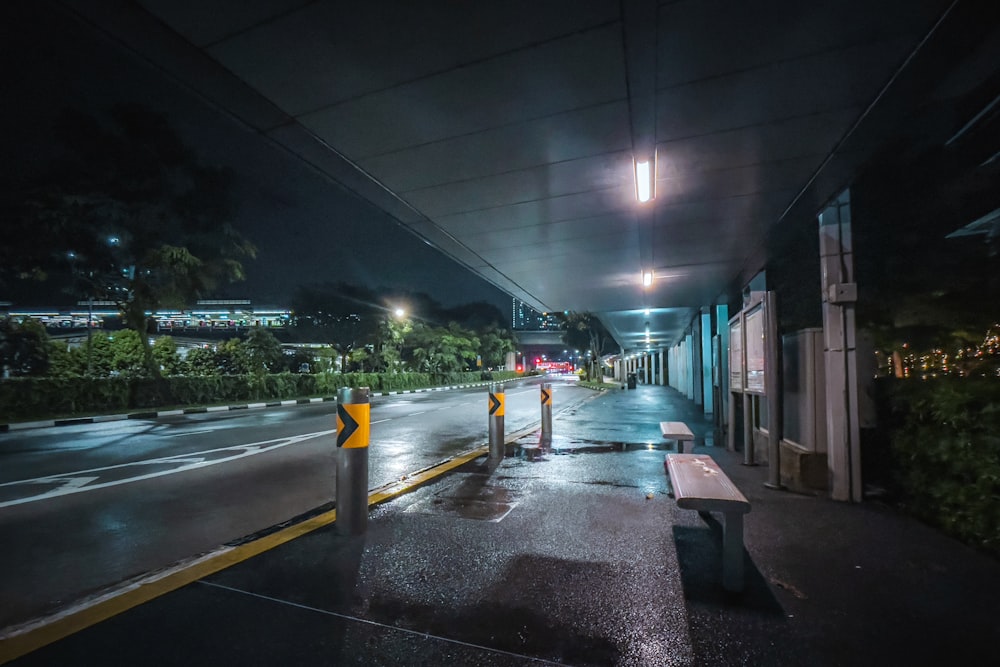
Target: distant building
column 549, row 322
column 523, row 316
column 526, row 318
column 206, row 315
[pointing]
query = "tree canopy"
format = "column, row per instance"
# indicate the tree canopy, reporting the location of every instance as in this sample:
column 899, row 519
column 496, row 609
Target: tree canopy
column 585, row 331
column 129, row 214
column 361, row 324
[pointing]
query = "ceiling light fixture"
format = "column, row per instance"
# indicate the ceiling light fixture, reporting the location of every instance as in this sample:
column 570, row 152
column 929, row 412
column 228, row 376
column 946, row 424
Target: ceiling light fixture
column 645, row 180
column 647, row 278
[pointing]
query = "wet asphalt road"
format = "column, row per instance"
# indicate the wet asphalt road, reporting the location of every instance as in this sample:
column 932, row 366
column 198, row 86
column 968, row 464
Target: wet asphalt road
column 86, row 507
column 578, row 557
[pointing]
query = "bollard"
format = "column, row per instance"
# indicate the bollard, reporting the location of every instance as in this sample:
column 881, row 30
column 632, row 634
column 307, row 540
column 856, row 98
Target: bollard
column 353, row 430
column 496, row 404
column 546, row 413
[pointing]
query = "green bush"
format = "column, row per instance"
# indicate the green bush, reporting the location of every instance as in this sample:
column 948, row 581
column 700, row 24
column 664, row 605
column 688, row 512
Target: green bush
column 35, row 398
column 946, row 454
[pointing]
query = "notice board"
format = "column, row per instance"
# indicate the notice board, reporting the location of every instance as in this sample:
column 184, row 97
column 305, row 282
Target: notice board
column 736, row 354
column 754, row 342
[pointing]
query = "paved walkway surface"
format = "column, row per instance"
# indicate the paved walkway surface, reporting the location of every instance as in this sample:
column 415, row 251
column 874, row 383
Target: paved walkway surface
column 579, row 558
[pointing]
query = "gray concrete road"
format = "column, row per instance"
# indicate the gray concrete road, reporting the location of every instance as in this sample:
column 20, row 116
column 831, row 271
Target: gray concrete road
column 83, row 508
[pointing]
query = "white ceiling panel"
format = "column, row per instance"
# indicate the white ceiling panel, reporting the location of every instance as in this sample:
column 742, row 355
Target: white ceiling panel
column 535, row 184
column 709, row 38
column 527, row 214
column 567, row 136
column 329, row 52
column 828, row 81
column 579, row 71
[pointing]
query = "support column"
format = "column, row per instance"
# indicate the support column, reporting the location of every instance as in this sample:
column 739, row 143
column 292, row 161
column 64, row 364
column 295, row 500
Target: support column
column 722, row 330
column 697, row 387
column 689, row 366
column 839, row 296
column 773, row 390
column 706, row 363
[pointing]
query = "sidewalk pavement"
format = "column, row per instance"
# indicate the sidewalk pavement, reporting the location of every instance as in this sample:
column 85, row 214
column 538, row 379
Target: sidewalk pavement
column 579, row 558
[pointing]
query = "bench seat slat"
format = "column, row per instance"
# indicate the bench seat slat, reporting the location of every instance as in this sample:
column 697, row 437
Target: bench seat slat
column 699, row 484
column 676, row 431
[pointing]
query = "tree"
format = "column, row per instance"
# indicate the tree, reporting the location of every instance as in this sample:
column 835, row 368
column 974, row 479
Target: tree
column 24, row 348
column 165, row 355
column 143, row 221
column 584, row 331
column 128, row 353
column 201, row 361
column 392, row 333
column 441, row 349
column 262, row 351
column 360, row 359
column 346, row 316
column 231, row 358
column 494, row 344
column 95, row 354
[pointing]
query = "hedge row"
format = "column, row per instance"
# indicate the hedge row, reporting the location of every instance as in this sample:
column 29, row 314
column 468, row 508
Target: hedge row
column 36, row 398
column 945, row 450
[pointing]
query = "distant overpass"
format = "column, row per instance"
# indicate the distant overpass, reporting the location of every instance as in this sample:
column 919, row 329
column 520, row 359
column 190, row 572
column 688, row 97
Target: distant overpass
column 539, row 338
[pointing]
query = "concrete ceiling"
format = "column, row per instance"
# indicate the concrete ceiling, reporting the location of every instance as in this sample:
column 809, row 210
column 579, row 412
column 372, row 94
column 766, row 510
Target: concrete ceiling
column 504, row 133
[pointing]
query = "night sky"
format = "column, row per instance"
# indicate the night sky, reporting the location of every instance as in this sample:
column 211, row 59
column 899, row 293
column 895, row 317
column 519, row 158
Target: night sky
column 307, row 230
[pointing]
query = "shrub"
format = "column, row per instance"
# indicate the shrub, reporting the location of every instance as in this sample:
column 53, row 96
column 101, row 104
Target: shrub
column 35, row 398
column 946, row 454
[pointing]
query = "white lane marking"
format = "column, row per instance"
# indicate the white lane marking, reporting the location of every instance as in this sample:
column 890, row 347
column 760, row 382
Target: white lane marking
column 187, row 433
column 379, row 421
column 79, row 481
column 414, row 414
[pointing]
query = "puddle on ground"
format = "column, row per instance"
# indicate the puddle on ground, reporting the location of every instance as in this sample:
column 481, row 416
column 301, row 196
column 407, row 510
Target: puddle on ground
column 583, row 446
column 470, row 496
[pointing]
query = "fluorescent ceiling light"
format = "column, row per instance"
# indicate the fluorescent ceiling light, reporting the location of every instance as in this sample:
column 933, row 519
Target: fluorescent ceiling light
column 644, row 183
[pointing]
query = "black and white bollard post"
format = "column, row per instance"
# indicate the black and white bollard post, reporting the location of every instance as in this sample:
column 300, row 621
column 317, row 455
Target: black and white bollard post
column 353, row 430
column 546, row 394
column 496, row 405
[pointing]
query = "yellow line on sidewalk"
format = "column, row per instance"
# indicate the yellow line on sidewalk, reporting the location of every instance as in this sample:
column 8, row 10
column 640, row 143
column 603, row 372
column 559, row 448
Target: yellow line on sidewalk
column 61, row 625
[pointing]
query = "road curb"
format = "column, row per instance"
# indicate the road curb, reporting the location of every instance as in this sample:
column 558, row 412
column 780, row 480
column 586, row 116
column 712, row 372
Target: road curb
column 148, row 414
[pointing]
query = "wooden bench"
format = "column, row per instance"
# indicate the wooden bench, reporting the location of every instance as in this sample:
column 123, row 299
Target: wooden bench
column 680, row 433
column 699, row 484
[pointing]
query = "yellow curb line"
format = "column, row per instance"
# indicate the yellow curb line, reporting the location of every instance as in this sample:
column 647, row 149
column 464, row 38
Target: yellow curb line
column 46, row 631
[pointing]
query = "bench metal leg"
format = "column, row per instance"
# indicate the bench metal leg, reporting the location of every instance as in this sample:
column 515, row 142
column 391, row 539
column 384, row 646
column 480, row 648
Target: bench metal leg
column 732, row 552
